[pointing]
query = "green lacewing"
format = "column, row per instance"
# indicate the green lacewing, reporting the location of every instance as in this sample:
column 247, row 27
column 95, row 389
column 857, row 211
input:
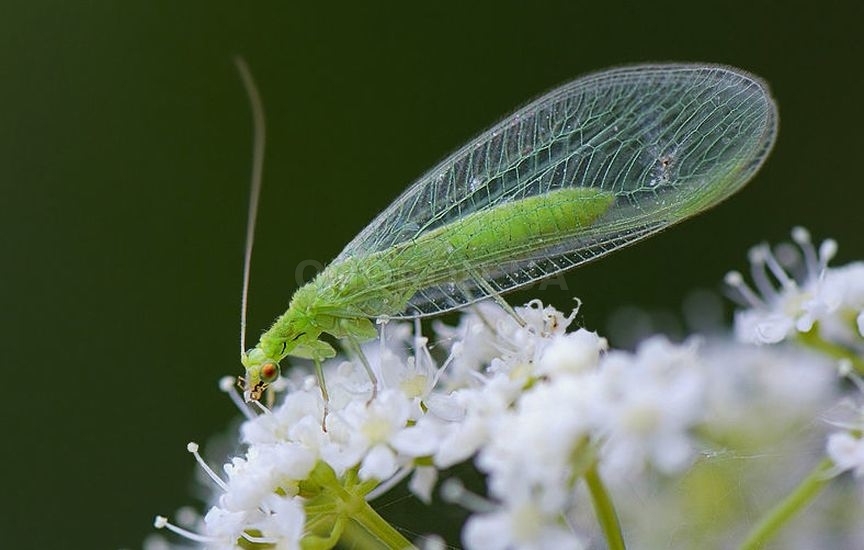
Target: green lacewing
column 596, row 164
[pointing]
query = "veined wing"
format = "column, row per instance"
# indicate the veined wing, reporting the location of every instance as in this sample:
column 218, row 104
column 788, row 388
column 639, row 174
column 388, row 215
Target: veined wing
column 668, row 141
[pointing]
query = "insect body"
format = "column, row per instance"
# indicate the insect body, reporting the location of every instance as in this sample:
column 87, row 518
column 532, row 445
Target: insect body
column 592, row 166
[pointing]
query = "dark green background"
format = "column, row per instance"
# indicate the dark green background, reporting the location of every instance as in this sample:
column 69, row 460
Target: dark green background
column 124, row 157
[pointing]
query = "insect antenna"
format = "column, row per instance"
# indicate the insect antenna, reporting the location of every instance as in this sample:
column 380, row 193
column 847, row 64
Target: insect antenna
column 258, row 143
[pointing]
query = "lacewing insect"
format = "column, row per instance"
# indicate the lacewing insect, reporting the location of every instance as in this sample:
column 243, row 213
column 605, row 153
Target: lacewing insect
column 597, row 164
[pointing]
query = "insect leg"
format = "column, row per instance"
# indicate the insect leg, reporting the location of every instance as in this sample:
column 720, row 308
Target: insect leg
column 354, row 346
column 495, row 295
column 319, row 373
column 271, row 397
column 382, row 343
column 476, row 310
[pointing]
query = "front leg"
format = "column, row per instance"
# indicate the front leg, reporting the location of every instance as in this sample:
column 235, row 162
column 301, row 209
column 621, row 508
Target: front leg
column 313, row 349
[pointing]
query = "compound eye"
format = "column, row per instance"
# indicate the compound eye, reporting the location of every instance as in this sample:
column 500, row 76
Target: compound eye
column 269, row 372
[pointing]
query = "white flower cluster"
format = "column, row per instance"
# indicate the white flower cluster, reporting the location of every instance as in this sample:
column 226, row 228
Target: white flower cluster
column 539, row 410
column 804, row 293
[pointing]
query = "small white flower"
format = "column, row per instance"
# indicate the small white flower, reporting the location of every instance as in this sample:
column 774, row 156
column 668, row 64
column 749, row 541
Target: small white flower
column 518, row 527
column 762, row 327
column 572, row 353
column 490, row 336
column 281, row 424
column 362, row 431
column 422, row 483
column 421, row 439
column 470, row 411
column 283, row 521
column 222, row 525
column 264, row 470
column 847, row 282
column 379, row 463
column 531, row 449
column 847, row 452
column 650, row 401
column 812, row 294
column 414, row 375
column 474, row 341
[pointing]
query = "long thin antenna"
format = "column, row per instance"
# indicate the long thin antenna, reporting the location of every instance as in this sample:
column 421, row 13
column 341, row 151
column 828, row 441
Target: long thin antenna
column 258, row 143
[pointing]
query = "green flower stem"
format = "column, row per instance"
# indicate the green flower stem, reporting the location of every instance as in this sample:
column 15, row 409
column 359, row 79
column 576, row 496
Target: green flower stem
column 355, row 536
column 365, row 521
column 315, row 542
column 775, row 519
column 604, row 509
column 812, row 340
column 337, row 511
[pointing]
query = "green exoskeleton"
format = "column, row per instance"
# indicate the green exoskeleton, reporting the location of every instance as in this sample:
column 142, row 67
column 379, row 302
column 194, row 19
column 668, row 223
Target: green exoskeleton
column 588, row 168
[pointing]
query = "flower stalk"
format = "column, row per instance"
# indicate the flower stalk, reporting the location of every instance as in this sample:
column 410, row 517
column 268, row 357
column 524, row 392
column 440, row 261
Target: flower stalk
column 604, row 510
column 337, row 510
column 783, row 512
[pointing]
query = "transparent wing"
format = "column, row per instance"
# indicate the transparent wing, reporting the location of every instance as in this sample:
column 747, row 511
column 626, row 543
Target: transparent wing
column 667, row 140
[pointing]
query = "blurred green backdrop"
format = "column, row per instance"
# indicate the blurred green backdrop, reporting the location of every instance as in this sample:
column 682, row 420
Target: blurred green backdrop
column 124, row 157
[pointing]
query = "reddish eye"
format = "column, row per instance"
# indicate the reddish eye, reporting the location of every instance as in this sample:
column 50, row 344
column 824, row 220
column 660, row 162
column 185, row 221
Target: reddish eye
column 269, row 372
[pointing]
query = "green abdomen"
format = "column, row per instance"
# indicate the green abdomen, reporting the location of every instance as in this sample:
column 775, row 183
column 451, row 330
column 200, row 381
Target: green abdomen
column 470, row 247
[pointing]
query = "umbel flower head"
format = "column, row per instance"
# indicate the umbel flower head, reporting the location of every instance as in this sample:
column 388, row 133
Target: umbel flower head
column 555, row 420
column 804, row 293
